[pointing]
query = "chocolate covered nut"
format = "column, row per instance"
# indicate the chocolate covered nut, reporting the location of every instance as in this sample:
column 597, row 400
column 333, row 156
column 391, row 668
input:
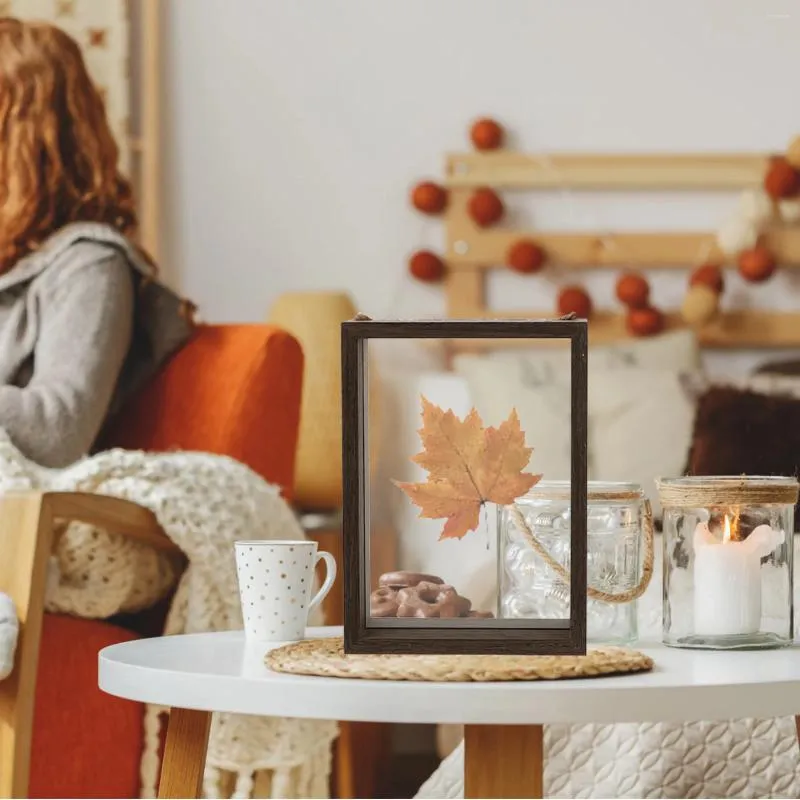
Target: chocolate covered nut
column 429, row 600
column 383, row 602
column 403, row 579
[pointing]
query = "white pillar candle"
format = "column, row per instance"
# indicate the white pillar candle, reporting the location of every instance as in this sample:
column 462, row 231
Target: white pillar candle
column 727, row 580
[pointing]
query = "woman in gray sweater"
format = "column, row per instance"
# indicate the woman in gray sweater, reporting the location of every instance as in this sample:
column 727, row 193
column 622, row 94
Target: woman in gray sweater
column 82, row 322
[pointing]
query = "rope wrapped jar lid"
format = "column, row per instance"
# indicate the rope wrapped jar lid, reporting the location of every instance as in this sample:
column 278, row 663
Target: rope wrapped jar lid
column 727, row 490
column 597, row 491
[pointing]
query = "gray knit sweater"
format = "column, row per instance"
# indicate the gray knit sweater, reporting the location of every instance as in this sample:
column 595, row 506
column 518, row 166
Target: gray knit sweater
column 82, row 325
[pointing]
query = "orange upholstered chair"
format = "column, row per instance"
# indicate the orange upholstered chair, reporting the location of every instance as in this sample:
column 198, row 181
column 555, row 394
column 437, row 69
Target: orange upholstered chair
column 232, row 390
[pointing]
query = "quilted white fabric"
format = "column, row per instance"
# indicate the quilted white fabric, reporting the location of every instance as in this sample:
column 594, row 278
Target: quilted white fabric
column 750, row 758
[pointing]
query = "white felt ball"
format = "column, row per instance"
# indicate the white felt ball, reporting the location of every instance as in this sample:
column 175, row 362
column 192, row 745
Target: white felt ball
column 700, row 305
column 793, row 152
column 737, row 235
column 755, row 206
column 789, row 210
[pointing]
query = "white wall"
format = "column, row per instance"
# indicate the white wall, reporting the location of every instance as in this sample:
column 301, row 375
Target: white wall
column 295, row 128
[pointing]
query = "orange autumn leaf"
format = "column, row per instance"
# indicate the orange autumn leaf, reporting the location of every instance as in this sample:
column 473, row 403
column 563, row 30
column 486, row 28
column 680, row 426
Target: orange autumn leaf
column 468, row 465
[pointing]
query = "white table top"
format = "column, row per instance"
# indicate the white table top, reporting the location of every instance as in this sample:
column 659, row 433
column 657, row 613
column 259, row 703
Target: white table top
column 221, row 672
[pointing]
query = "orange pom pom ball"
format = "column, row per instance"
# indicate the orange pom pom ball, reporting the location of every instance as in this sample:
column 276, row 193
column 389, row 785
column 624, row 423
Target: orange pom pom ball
column 708, row 275
column 782, row 179
column 426, row 266
column 429, row 198
column 525, row 256
column 644, row 321
column 757, row 264
column 485, row 207
column 486, row 134
column 575, row 300
column 633, row 290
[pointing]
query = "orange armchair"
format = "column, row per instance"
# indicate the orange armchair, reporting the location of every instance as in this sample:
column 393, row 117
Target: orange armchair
column 232, row 390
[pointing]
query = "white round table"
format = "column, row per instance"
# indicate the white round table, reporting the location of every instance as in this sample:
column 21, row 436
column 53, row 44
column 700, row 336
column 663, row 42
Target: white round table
column 201, row 673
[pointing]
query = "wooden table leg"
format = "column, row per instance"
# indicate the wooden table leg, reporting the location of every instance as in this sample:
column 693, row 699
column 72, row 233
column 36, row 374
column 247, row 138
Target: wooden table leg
column 185, row 753
column 503, row 761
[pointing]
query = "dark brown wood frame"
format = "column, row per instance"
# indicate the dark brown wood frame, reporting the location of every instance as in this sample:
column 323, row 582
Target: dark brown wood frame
column 541, row 637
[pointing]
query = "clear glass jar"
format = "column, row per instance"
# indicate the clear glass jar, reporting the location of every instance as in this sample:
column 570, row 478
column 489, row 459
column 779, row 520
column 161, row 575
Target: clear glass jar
column 728, row 561
column 531, row 588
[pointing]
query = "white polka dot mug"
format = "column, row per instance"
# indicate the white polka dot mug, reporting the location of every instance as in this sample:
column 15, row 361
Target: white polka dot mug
column 275, row 583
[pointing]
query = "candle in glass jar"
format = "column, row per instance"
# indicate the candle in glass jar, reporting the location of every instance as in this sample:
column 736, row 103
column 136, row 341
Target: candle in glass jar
column 727, row 583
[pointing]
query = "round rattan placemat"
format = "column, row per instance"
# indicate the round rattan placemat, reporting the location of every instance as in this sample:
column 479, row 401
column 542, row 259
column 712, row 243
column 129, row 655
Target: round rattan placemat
column 326, row 657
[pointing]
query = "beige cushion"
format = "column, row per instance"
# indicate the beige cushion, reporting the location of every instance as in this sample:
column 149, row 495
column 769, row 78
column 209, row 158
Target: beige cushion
column 640, row 426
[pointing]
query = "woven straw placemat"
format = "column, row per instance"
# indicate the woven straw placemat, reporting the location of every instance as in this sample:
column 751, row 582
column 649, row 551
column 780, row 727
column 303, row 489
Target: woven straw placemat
column 326, row 657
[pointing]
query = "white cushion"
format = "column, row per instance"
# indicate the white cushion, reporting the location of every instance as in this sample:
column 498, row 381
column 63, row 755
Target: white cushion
column 640, row 414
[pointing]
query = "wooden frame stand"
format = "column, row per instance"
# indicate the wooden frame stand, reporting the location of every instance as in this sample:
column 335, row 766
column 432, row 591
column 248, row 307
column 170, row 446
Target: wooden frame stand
column 365, row 633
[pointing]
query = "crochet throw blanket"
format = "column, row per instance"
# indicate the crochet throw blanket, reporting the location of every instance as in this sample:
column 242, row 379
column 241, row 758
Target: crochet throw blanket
column 204, row 503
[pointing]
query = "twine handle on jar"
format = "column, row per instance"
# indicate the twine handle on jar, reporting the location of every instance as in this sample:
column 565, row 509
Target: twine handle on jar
column 595, row 594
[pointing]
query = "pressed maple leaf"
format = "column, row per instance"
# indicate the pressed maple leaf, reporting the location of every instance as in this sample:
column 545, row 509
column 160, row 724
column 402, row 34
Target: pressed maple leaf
column 468, row 465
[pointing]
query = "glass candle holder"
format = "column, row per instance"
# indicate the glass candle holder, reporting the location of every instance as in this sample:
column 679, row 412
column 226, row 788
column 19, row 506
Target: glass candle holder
column 728, row 561
column 530, row 584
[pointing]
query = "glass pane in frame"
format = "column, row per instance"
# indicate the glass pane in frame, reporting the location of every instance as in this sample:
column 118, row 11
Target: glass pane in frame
column 467, row 448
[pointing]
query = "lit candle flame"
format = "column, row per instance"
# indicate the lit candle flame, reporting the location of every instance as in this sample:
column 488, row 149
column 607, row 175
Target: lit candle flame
column 726, row 535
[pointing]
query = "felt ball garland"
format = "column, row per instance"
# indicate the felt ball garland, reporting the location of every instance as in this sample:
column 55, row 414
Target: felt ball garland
column 486, row 134
column 485, row 207
column 574, row 300
column 429, row 198
column 633, row 290
column 756, row 264
column 709, row 275
column 740, row 241
column 426, row 266
column 782, row 179
column 646, row 321
column 525, row 256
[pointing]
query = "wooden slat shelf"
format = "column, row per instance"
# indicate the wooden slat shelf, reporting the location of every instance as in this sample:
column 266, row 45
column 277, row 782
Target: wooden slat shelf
column 471, row 252
column 673, row 250
column 696, row 171
column 732, row 329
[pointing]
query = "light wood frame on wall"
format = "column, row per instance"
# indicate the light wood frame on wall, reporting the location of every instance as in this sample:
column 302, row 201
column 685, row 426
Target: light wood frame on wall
column 472, row 252
column 145, row 142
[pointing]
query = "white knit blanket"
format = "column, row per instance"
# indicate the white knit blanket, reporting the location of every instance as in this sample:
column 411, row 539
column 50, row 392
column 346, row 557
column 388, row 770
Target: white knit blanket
column 204, row 503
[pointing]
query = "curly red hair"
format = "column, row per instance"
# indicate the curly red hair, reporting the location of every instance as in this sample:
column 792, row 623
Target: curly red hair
column 58, row 159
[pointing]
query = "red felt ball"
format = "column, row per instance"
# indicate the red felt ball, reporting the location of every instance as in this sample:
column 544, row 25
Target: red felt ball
column 485, row 207
column 757, row 264
column 525, row 256
column 575, row 300
column 782, row 179
column 426, row 266
column 429, row 198
column 633, row 290
column 644, row 321
column 708, row 275
column 486, row 134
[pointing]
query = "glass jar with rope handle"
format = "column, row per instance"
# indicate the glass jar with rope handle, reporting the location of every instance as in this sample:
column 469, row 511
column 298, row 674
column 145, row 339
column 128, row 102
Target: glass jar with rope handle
column 533, row 548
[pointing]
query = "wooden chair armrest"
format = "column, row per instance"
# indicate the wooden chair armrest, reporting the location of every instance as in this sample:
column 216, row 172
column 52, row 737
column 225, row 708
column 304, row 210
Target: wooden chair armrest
column 27, row 534
column 112, row 514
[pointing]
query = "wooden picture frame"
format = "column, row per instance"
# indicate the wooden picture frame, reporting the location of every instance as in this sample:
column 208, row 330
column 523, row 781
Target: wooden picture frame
column 363, row 634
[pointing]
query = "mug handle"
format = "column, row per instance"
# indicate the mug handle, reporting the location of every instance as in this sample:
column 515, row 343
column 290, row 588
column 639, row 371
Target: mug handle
column 330, row 577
